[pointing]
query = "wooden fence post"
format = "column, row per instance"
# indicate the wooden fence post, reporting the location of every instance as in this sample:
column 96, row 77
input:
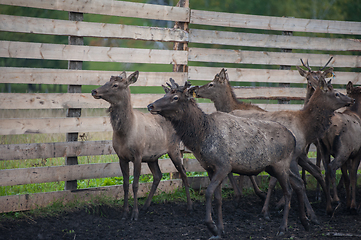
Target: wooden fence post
column 73, row 112
column 183, row 46
column 285, row 67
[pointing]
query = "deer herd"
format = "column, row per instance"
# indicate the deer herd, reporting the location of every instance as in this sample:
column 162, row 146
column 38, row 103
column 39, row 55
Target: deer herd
column 240, row 138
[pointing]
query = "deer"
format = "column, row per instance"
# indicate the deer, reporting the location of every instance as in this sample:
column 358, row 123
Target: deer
column 224, row 143
column 307, row 124
column 139, row 137
column 343, row 142
column 220, row 92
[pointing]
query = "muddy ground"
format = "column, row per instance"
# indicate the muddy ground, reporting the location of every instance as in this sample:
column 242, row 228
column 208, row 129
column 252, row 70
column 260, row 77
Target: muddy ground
column 170, row 220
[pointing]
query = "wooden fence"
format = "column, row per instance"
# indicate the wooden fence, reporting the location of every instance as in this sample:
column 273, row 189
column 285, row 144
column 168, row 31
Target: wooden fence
column 258, row 66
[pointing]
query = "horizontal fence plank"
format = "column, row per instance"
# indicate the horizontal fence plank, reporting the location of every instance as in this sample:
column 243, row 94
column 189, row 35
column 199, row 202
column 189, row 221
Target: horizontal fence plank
column 55, row 149
column 25, row 202
column 271, row 58
column 85, row 100
column 13, row 126
column 266, row 75
column 109, row 7
column 16, row 126
column 21, row 176
column 89, row 29
column 286, row 93
column 48, row 51
column 272, row 41
column 81, row 77
column 66, row 100
column 274, row 23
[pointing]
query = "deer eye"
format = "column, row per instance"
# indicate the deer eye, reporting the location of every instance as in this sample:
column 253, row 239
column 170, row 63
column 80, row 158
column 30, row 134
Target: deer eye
column 115, row 85
column 337, row 94
column 175, row 98
column 210, row 84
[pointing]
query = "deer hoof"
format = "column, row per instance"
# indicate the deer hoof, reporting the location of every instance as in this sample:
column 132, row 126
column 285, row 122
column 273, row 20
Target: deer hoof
column 134, row 216
column 215, row 237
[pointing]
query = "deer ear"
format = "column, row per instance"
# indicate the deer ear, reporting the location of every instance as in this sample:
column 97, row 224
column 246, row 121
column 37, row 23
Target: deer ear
column 349, row 87
column 323, row 85
column 328, row 73
column 302, row 72
column 133, row 77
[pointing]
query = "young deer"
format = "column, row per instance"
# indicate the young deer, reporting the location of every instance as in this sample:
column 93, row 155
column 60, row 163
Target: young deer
column 224, row 143
column 343, row 142
column 307, row 124
column 220, row 92
column 139, row 137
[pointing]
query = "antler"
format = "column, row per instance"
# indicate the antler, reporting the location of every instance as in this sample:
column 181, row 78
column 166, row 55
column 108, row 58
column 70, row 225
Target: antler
column 306, row 66
column 321, row 69
column 174, row 86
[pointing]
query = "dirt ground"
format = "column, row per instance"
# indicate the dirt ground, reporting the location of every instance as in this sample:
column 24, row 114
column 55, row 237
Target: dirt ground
column 170, row 220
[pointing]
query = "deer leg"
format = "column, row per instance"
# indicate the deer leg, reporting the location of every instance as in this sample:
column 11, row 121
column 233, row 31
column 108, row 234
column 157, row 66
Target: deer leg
column 299, row 187
column 337, row 162
column 282, row 176
column 216, row 180
column 326, row 158
column 318, row 164
column 157, row 176
column 236, row 188
column 124, row 166
column 218, row 201
column 137, row 168
column 315, row 171
column 258, row 191
column 265, row 209
column 346, row 182
column 176, row 157
column 353, row 177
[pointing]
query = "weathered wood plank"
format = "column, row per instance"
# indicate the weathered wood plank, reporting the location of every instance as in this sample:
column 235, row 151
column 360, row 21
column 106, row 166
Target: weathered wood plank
column 65, row 100
column 10, row 49
column 274, row 23
column 15, row 126
column 20, row 176
column 55, row 149
column 272, row 41
column 25, row 202
column 271, row 58
column 85, row 100
column 81, row 77
column 266, row 75
column 109, row 7
column 88, row 29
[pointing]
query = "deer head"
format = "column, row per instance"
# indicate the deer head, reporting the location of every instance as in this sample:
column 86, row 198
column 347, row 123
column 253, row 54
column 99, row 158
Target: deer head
column 328, row 98
column 174, row 100
column 112, row 90
column 218, row 85
column 313, row 77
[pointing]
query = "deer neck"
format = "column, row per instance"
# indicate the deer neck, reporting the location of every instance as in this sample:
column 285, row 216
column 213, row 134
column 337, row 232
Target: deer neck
column 227, row 102
column 122, row 115
column 316, row 118
column 192, row 126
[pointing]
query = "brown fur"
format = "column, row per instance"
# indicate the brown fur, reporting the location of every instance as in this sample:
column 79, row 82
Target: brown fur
column 307, row 124
column 139, row 137
column 343, row 142
column 224, row 143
